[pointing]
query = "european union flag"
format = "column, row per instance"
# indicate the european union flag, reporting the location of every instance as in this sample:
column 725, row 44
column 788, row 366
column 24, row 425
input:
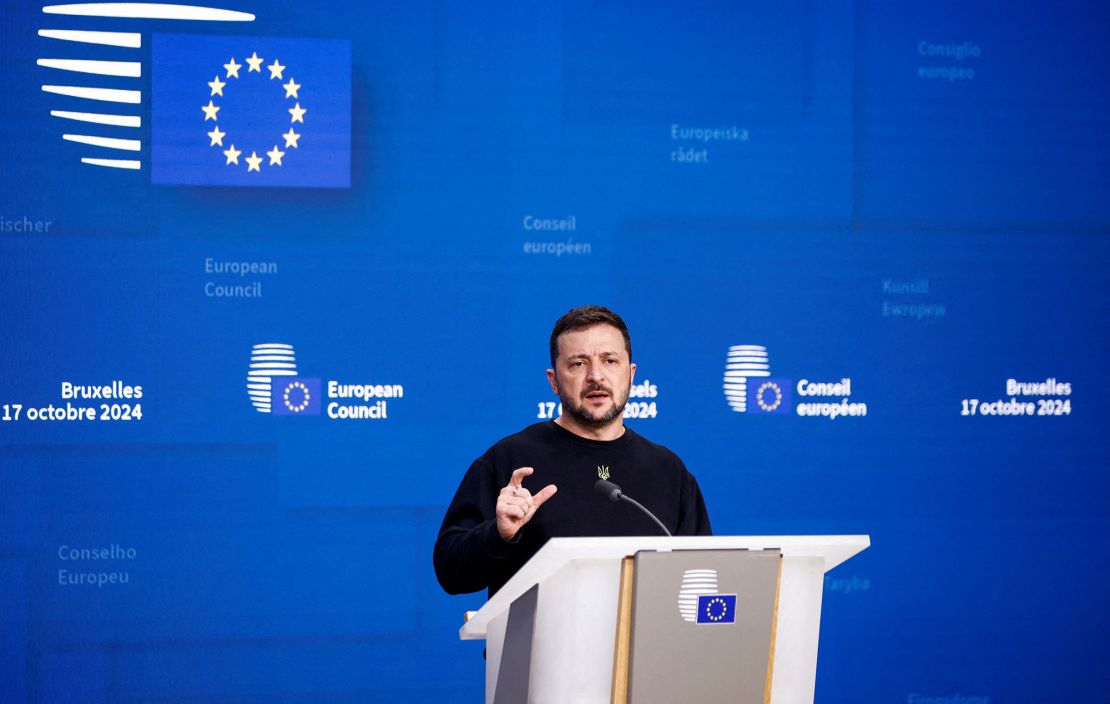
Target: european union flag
column 250, row 111
column 768, row 395
column 295, row 396
column 717, row 608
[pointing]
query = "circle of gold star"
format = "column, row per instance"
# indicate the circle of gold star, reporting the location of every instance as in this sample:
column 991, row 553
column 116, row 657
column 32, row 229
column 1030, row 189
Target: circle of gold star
column 710, row 611
column 306, row 397
column 769, row 406
column 255, row 64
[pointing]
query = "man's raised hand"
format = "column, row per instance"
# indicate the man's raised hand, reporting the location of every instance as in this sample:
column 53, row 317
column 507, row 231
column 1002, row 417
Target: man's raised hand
column 516, row 505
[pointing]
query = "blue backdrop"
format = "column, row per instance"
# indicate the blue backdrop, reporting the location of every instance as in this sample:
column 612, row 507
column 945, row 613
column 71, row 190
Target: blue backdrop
column 906, row 204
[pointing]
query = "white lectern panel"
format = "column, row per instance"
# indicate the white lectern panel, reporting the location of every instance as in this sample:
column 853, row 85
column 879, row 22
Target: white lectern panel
column 576, row 613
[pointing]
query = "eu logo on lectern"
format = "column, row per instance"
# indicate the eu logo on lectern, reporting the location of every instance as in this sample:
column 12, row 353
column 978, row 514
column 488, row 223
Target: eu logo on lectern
column 717, row 608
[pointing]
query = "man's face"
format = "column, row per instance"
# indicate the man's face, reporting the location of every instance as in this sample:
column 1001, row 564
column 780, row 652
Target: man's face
column 592, row 375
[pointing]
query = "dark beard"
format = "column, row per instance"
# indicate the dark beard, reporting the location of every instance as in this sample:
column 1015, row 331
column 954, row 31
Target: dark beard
column 583, row 416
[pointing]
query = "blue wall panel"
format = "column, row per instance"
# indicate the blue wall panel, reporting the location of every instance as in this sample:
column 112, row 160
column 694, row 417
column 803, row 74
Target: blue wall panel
column 914, row 198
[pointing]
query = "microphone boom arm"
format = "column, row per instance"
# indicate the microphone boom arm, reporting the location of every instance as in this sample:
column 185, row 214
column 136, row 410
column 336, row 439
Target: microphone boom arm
column 651, row 515
column 613, row 492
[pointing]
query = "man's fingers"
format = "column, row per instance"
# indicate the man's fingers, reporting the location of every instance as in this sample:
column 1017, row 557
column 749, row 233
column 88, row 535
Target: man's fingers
column 519, row 475
column 513, row 511
column 520, row 498
column 543, row 495
column 525, row 504
column 517, row 491
column 516, row 506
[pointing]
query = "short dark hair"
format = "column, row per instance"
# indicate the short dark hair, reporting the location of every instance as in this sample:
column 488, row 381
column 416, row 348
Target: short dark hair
column 584, row 317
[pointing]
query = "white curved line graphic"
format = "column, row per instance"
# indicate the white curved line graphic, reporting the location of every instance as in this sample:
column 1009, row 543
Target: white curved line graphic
column 125, row 69
column 149, row 11
column 129, row 145
column 111, row 95
column 100, row 118
column 129, row 40
column 113, row 163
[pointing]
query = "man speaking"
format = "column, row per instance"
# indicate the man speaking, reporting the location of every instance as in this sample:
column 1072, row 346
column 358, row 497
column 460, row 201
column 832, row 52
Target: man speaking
column 539, row 483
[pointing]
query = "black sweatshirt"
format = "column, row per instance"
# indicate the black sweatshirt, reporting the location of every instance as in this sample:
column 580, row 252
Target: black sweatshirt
column 470, row 554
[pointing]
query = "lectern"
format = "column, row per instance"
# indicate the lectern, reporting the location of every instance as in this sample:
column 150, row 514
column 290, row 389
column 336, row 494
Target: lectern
column 689, row 618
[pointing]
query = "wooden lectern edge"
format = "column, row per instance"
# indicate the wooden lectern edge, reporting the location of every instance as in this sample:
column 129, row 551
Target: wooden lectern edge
column 530, row 574
column 774, row 634
column 622, row 646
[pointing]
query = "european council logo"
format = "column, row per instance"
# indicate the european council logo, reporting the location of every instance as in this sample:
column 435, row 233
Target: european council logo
column 274, row 386
column 225, row 110
column 700, row 602
column 250, row 111
column 747, row 383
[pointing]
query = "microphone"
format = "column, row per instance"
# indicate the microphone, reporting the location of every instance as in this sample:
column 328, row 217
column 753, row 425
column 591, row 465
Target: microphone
column 613, row 492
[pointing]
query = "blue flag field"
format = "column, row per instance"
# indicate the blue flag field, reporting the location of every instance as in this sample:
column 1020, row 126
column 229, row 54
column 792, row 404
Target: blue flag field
column 250, row 111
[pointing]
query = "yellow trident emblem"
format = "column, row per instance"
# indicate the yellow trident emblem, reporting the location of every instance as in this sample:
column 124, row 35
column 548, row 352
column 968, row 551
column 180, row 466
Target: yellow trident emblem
column 603, row 472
